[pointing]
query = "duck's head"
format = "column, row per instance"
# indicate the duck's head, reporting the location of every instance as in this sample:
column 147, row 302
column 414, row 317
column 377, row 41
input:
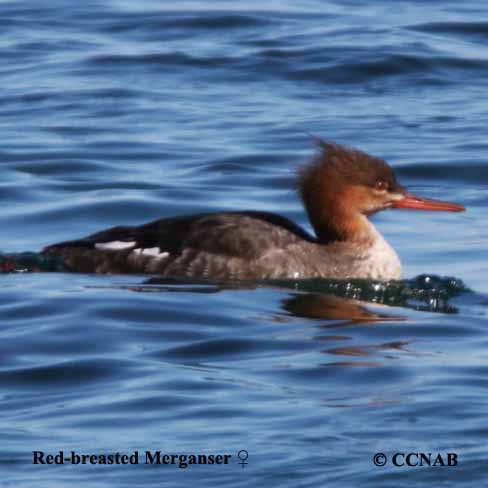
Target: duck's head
column 344, row 185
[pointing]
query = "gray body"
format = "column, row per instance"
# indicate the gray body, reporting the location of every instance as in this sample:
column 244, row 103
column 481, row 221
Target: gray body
column 230, row 246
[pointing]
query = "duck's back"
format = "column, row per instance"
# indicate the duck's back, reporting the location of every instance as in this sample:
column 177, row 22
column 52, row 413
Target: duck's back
column 247, row 245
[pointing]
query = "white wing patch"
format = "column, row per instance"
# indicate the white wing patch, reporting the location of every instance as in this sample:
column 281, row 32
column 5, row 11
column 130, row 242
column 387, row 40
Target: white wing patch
column 153, row 252
column 114, row 245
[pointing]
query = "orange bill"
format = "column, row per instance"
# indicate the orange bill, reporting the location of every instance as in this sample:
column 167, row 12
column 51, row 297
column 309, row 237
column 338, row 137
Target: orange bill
column 413, row 202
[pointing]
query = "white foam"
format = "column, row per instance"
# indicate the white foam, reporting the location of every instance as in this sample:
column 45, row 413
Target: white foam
column 114, row 245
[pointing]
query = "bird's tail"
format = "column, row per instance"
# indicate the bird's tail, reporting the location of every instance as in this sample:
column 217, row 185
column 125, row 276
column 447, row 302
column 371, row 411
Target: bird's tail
column 29, row 262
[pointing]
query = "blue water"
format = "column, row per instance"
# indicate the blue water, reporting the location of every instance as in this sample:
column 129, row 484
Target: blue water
column 122, row 112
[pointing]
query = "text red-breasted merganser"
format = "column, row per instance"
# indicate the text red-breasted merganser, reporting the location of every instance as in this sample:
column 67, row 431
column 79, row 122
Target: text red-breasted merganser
column 340, row 189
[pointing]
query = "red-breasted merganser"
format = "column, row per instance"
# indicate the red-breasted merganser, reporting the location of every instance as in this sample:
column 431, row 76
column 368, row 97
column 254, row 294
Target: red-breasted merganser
column 340, row 190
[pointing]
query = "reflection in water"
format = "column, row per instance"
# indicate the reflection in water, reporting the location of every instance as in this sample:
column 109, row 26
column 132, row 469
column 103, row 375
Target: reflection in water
column 338, row 312
column 343, row 312
column 331, row 307
column 369, row 350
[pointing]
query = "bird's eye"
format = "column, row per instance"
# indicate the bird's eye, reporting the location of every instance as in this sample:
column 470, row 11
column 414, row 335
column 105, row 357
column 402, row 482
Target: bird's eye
column 381, row 185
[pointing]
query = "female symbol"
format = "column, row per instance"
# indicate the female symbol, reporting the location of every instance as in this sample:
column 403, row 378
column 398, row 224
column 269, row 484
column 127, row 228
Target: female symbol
column 243, row 455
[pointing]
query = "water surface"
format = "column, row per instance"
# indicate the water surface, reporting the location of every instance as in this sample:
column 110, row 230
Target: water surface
column 122, row 112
